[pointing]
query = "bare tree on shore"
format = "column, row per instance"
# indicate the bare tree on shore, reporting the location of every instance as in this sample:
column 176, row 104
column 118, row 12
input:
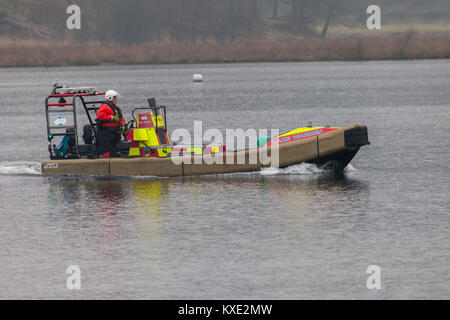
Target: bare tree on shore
column 308, row 16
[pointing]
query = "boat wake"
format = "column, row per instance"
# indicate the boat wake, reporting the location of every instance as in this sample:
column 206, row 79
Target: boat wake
column 299, row 169
column 34, row 168
column 20, row 168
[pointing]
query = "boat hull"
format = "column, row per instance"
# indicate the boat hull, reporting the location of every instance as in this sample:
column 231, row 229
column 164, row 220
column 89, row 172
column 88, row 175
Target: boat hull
column 337, row 148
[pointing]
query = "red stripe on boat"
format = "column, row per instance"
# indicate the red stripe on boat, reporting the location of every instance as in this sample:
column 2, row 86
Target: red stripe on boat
column 299, row 136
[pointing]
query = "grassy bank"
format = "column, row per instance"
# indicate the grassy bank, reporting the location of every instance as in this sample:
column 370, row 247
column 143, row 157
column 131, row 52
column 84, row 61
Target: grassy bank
column 352, row 47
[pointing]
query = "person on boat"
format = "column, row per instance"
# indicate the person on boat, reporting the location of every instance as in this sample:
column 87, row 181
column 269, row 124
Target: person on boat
column 110, row 124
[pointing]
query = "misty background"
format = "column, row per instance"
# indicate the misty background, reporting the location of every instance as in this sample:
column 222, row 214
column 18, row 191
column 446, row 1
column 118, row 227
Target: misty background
column 138, row 21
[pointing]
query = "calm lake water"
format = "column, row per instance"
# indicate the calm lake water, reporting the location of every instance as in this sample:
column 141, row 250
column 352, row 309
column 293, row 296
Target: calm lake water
column 299, row 233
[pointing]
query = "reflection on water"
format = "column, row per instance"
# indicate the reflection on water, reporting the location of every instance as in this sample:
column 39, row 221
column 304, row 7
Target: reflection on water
column 153, row 196
column 149, row 206
column 153, row 202
column 149, row 197
column 166, row 234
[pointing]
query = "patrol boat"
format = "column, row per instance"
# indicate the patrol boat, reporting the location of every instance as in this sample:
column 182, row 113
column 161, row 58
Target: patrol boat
column 148, row 151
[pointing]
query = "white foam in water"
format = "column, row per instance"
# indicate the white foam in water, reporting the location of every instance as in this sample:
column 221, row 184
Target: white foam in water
column 302, row 168
column 299, row 169
column 20, row 168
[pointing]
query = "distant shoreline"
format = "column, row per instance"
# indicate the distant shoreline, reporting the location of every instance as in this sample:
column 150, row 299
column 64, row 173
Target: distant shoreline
column 389, row 46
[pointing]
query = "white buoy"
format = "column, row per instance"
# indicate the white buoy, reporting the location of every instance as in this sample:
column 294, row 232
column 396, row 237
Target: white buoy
column 197, row 77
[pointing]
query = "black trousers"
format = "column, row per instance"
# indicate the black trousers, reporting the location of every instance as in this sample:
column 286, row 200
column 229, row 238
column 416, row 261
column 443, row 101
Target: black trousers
column 108, row 138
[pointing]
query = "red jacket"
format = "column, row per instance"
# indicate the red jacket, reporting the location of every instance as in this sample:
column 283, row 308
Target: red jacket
column 106, row 114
